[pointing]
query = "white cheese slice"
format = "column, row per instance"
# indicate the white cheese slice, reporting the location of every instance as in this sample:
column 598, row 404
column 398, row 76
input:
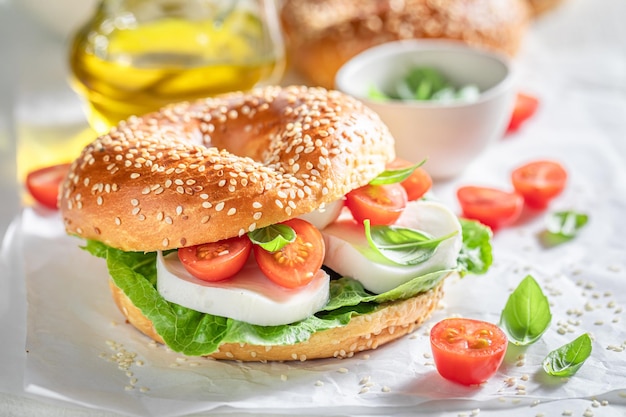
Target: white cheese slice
column 348, row 252
column 324, row 215
column 249, row 296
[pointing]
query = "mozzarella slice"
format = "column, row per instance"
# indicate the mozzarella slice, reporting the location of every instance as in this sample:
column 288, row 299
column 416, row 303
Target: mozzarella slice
column 249, row 296
column 349, row 254
column 324, row 215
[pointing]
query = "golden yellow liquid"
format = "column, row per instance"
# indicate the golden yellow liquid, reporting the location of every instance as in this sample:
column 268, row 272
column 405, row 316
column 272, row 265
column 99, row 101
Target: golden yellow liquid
column 133, row 71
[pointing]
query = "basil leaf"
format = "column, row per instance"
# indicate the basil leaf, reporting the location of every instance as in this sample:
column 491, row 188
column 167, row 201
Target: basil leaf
column 402, row 245
column 392, row 176
column 475, row 256
column 566, row 360
column 563, row 226
column 526, row 315
column 273, row 238
column 374, row 93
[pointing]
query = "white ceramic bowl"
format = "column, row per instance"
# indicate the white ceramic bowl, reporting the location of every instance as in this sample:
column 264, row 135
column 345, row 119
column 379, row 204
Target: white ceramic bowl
column 448, row 135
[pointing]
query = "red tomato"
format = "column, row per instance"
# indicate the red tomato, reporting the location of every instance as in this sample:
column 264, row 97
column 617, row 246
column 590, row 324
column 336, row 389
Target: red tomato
column 43, row 184
column 490, row 206
column 296, row 264
column 467, row 351
column 539, row 182
column 381, row 204
column 216, row 261
column 417, row 184
column 525, row 106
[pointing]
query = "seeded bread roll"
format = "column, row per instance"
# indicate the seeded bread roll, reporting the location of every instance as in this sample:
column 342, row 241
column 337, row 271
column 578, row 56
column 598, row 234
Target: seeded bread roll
column 539, row 7
column 208, row 170
column 323, row 34
column 389, row 322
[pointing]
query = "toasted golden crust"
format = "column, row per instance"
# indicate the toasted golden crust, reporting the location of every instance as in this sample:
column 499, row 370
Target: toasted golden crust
column 539, row 7
column 217, row 168
column 366, row 332
column 323, row 34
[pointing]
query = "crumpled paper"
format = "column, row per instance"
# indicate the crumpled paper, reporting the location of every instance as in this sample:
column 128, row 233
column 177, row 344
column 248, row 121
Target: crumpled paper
column 80, row 349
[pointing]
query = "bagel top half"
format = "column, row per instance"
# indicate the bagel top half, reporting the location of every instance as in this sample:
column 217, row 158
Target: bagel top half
column 207, row 170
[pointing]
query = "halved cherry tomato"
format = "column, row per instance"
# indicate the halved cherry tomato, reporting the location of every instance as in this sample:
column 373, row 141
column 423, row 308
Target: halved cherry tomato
column 490, row 206
column 297, row 262
column 467, row 351
column 417, row 184
column 43, row 184
column 524, row 108
column 381, row 204
column 216, row 261
column 539, row 182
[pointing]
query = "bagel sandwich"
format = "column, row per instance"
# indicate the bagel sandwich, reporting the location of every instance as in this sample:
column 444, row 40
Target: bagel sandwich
column 272, row 170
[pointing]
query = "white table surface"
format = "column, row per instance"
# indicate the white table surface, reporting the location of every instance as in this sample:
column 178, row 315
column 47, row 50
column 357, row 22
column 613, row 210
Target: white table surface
column 579, row 51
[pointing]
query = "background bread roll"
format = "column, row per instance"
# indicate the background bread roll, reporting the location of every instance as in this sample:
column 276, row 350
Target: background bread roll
column 322, row 35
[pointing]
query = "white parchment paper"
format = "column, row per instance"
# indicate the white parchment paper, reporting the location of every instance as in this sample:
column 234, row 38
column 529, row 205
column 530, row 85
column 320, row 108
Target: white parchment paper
column 81, row 352
column 80, row 349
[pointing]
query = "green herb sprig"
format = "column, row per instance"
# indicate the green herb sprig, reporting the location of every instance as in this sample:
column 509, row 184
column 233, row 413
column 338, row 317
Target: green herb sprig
column 402, row 245
column 562, row 226
column 526, row 315
column 566, row 360
column 392, row 176
column 273, row 238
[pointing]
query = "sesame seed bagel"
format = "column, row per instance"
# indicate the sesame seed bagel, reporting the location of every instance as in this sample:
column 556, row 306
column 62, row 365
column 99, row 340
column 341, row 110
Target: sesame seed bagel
column 207, row 170
column 324, row 34
column 389, row 322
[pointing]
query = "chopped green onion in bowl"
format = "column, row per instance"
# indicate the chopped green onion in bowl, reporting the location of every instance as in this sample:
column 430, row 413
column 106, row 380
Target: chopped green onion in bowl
column 425, row 84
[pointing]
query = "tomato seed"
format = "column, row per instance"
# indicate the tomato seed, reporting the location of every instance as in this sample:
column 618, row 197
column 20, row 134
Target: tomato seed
column 480, row 343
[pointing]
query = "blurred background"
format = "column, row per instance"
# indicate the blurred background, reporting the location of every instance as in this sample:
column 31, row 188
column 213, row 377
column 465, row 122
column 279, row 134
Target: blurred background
column 37, row 104
column 43, row 119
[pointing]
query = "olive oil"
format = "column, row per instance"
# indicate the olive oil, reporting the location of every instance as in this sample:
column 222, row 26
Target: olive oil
column 124, row 68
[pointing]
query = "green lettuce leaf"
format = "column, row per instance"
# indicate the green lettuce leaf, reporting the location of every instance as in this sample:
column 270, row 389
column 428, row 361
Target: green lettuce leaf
column 476, row 255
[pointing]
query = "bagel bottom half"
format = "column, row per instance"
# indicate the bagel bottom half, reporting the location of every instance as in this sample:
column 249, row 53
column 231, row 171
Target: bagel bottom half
column 390, row 321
